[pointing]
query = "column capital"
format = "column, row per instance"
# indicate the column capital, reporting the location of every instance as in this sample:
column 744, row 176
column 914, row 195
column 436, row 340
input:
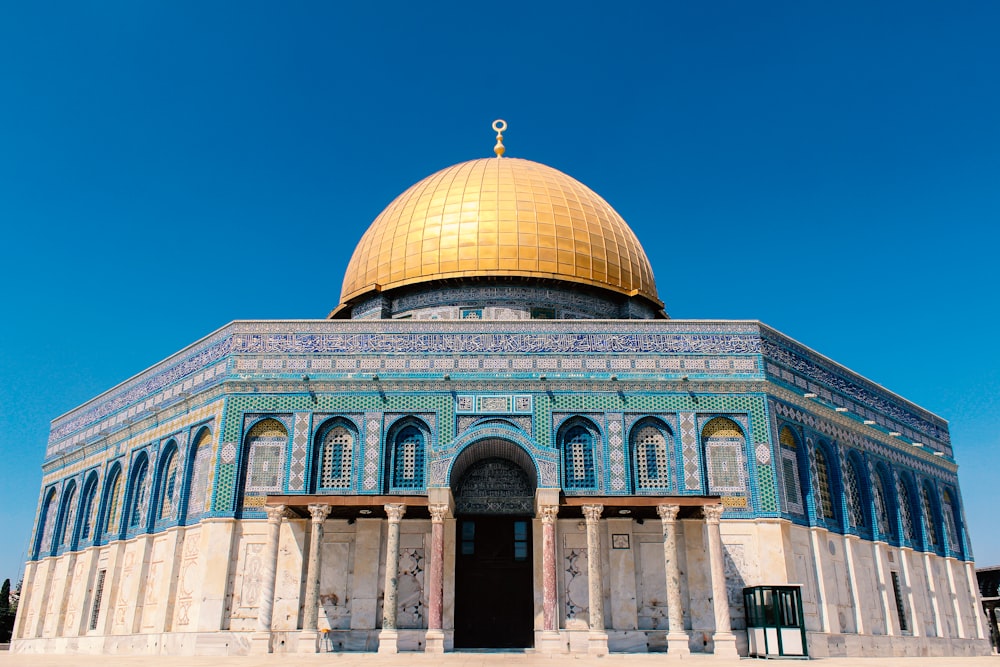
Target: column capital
column 319, row 512
column 438, row 512
column 275, row 513
column 713, row 512
column 395, row 512
column 668, row 512
column 592, row 513
column 548, row 514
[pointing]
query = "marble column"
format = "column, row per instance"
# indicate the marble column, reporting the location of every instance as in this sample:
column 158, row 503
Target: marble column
column 723, row 638
column 549, row 640
column 597, row 643
column 677, row 640
column 309, row 637
column 883, row 588
column 933, row 593
column 852, row 581
column 977, row 602
column 435, row 622
column 388, row 638
column 260, row 642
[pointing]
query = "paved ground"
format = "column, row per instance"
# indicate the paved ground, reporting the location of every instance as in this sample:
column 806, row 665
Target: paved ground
column 459, row 660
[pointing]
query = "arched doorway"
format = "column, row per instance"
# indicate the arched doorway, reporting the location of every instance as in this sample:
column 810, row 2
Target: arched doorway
column 494, row 505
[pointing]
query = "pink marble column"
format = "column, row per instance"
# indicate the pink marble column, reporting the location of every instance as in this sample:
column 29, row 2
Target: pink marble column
column 598, row 638
column 435, row 625
column 548, row 514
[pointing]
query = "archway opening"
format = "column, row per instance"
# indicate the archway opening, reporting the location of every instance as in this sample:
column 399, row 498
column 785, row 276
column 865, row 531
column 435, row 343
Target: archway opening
column 494, row 506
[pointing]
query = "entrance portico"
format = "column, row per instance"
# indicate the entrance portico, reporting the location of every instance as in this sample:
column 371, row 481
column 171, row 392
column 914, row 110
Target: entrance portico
column 501, row 580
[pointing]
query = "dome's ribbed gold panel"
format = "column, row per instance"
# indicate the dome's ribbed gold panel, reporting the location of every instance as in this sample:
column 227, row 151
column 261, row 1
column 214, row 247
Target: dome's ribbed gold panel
column 499, row 217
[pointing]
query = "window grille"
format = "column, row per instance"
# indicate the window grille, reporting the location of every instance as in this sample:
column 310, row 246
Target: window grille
column 578, row 458
column 95, row 610
column 823, row 485
column 650, row 450
column 338, row 450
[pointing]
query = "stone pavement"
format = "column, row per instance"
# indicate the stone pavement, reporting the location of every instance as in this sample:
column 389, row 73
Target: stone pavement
column 462, row 659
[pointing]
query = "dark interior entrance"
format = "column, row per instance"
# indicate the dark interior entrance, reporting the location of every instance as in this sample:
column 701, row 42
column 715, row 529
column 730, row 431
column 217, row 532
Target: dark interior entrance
column 494, row 598
column 493, row 593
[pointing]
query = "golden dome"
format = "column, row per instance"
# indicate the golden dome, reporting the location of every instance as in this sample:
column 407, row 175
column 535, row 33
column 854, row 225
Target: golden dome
column 499, row 217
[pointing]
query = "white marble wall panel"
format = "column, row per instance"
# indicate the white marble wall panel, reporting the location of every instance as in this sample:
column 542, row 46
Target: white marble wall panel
column 247, row 570
column 411, row 612
column 56, row 590
column 289, row 580
column 75, row 616
column 369, row 558
column 622, row 580
column 868, row 592
column 335, row 575
column 159, row 579
column 574, row 589
column 187, row 579
column 129, row 577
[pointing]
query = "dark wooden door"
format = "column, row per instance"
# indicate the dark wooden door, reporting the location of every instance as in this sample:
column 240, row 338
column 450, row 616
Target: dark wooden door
column 494, row 604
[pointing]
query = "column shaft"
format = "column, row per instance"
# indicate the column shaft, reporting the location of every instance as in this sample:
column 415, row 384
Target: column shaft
column 261, row 640
column 598, row 641
column 310, row 611
column 388, row 637
column 677, row 639
column 725, row 642
column 548, row 515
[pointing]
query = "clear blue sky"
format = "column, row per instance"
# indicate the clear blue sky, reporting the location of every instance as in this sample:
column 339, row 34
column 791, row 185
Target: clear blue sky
column 832, row 169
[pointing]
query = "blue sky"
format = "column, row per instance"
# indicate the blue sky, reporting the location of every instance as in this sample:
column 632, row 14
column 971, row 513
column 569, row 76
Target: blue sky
column 831, row 169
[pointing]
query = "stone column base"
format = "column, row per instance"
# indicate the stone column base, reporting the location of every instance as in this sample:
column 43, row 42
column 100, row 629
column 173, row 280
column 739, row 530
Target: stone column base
column 678, row 644
column 308, row 641
column 725, row 645
column 260, row 643
column 388, row 641
column 433, row 641
column 597, row 643
column 549, row 641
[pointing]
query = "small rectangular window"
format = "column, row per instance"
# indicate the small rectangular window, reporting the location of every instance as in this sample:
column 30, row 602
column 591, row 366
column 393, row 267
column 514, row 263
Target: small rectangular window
column 468, row 538
column 98, row 594
column 520, row 540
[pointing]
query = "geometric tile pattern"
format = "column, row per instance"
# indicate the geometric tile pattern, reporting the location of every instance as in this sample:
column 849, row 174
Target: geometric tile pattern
column 691, row 452
column 300, row 442
column 373, row 439
column 616, row 452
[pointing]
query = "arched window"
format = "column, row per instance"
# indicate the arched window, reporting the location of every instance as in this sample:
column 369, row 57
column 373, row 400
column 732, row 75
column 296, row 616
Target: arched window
column 336, row 454
column 884, row 515
column 170, row 488
column 66, row 508
column 824, row 485
column 88, row 509
column 905, row 501
column 857, row 493
column 792, row 486
column 576, row 440
column 930, row 516
column 138, row 509
column 113, row 503
column 408, row 457
column 649, row 455
column 725, row 462
column 199, row 470
column 43, row 538
column 949, row 510
column 267, row 443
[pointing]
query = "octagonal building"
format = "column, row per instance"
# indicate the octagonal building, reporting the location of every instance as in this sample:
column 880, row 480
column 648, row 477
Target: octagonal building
column 498, row 439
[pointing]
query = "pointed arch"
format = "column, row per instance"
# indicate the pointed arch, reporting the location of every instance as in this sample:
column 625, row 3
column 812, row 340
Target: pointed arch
column 66, row 510
column 406, row 445
column 906, row 499
column 333, row 453
column 137, row 515
column 794, row 485
column 199, row 471
column 952, row 516
column 858, row 494
column 266, row 446
column 43, row 534
column 577, row 438
column 87, row 513
column 886, row 515
column 111, row 503
column 826, row 507
column 931, row 514
column 724, row 447
column 168, row 483
column 649, row 447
